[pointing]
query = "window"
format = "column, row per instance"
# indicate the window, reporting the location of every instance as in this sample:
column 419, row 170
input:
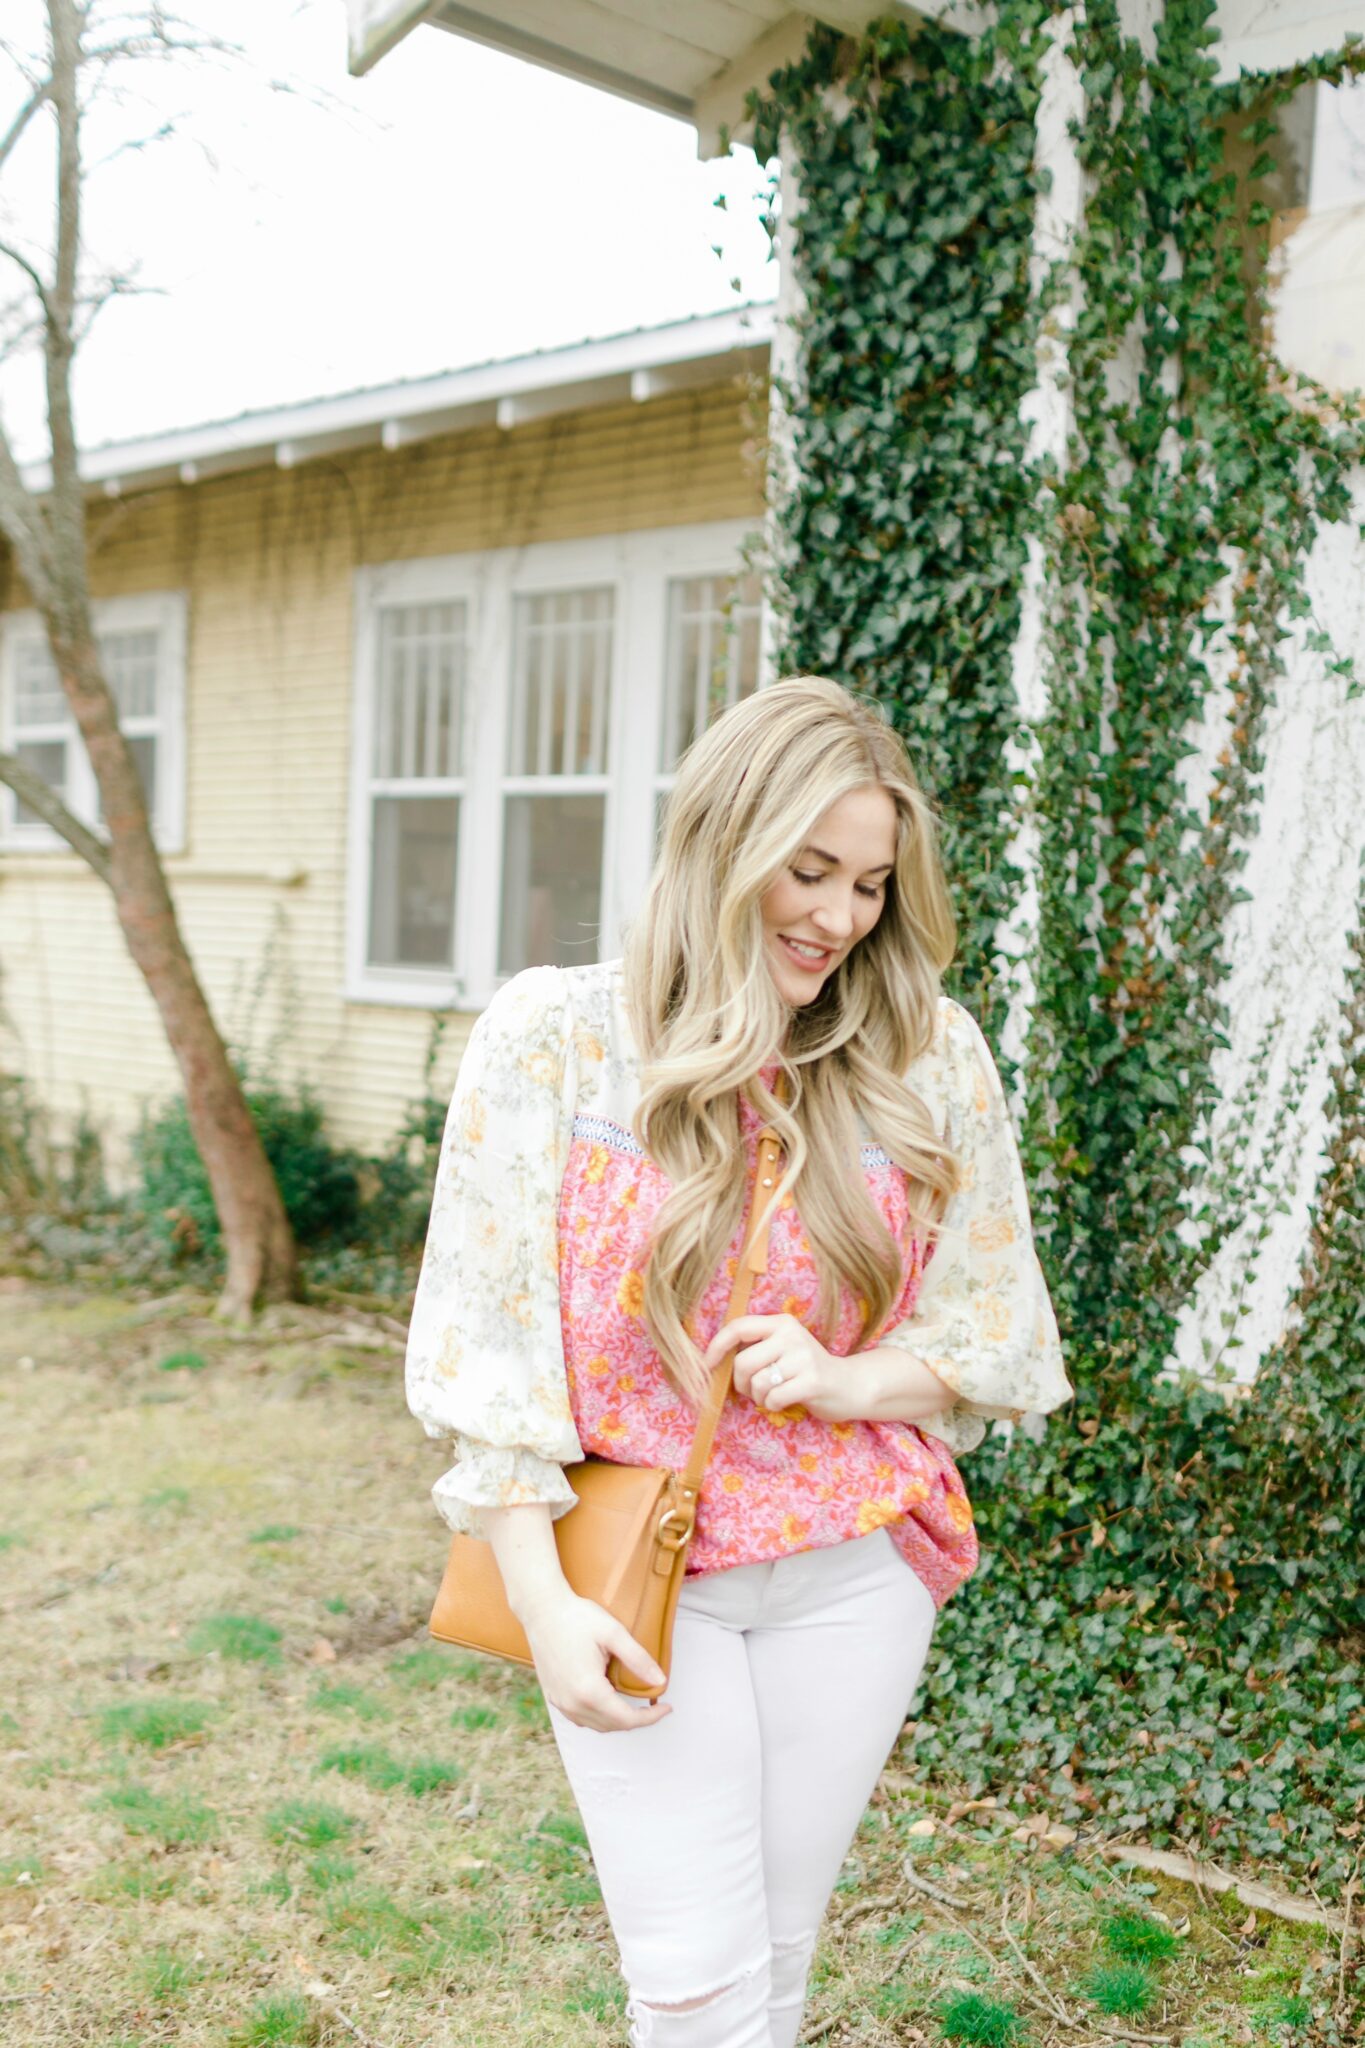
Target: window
column 1314, row 185
column 519, row 717
column 712, row 661
column 555, row 793
column 416, row 784
column 142, row 645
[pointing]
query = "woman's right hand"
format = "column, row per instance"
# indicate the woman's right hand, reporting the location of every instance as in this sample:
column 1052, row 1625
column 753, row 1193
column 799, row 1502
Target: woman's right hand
column 571, row 1641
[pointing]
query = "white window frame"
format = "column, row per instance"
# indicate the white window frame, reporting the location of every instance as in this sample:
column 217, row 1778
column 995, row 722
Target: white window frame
column 637, row 567
column 164, row 612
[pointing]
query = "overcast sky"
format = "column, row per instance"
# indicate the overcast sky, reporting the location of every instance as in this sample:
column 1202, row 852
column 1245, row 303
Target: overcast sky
column 453, row 206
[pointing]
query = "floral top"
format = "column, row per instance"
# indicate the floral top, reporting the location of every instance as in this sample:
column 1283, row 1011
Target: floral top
column 527, row 1345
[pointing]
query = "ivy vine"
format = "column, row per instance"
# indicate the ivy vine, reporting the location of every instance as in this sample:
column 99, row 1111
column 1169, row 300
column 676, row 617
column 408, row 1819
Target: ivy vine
column 1166, row 1630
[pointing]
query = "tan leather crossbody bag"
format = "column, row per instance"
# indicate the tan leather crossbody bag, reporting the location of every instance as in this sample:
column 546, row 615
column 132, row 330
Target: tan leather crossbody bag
column 624, row 1542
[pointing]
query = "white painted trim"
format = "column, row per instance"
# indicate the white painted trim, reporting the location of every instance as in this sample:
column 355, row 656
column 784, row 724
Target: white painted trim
column 707, row 347
column 636, row 567
column 164, row 612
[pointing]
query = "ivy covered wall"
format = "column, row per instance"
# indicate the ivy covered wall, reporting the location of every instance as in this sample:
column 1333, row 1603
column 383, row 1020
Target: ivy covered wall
column 1166, row 1631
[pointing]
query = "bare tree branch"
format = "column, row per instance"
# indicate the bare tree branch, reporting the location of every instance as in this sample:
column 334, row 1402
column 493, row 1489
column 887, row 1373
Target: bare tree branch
column 34, row 276
column 42, row 798
column 10, row 138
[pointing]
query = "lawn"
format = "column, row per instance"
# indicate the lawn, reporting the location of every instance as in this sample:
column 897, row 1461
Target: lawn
column 246, row 1802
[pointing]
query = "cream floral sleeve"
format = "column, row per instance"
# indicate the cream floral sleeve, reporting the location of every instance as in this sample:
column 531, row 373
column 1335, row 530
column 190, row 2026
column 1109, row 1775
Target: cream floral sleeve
column 983, row 1320
column 485, row 1356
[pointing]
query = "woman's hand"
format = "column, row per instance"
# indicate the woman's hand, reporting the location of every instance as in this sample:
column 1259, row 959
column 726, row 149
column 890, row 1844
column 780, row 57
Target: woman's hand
column 780, row 1365
column 571, row 1640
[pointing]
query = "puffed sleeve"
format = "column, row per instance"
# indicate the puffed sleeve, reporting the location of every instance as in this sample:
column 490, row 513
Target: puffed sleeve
column 983, row 1319
column 485, row 1354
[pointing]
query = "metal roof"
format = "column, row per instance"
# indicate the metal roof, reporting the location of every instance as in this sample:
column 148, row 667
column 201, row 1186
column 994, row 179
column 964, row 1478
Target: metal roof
column 642, row 364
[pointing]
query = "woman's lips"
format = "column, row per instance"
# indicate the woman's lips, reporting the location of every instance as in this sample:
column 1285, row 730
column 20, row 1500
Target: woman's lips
column 803, row 960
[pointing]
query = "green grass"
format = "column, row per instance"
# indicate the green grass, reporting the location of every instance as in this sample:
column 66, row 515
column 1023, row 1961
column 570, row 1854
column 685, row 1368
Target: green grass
column 309, row 1823
column 1135, row 1938
column 277, row 2023
column 983, row 2021
column 1123, row 1990
column 346, row 1698
column 328, row 1869
column 276, row 1532
column 165, row 1975
column 113, row 1882
column 182, row 1361
column 474, row 1717
column 378, row 1767
column 154, row 1723
column 244, row 1638
column 12, row 1868
column 144, row 1812
column 368, row 1761
column 10, row 1539
column 369, row 1920
column 165, row 1497
column 423, row 1667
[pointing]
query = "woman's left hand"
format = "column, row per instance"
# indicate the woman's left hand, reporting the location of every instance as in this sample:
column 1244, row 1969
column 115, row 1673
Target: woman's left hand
column 782, row 1366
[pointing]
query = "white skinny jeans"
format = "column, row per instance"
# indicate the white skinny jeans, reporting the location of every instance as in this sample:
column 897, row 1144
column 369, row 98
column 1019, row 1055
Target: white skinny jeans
column 718, row 1832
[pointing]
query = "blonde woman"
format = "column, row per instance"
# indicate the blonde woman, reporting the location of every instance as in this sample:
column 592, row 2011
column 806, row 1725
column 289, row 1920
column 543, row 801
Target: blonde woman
column 589, row 1208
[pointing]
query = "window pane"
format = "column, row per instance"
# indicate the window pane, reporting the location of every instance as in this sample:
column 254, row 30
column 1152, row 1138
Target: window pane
column 419, row 701
column 551, row 881
column 142, row 747
column 48, row 759
column 412, row 881
column 712, row 655
column 38, row 698
column 561, row 687
column 130, row 671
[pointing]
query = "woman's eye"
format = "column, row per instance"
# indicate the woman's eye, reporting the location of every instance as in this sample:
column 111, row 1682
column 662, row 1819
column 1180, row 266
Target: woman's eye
column 873, row 893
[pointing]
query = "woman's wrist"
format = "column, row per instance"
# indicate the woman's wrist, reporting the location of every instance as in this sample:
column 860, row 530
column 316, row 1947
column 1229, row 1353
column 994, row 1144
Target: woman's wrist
column 895, row 1386
column 523, row 1543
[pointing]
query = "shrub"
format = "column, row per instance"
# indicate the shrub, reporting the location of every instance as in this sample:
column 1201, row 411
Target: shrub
column 318, row 1183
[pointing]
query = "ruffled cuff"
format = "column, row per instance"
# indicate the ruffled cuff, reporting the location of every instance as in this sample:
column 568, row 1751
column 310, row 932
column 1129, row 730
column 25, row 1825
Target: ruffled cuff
column 485, row 1476
column 956, row 1427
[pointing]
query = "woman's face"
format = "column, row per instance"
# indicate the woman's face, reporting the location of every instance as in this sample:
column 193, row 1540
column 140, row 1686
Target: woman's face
column 831, row 893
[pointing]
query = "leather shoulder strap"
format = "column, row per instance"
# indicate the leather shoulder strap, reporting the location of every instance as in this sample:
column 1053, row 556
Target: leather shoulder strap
column 753, row 1259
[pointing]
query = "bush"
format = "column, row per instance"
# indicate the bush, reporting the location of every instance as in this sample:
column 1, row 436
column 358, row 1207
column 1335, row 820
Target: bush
column 319, row 1185
column 37, row 1171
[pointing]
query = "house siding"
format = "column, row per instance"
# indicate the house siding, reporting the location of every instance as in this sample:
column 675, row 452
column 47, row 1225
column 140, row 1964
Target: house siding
column 266, row 558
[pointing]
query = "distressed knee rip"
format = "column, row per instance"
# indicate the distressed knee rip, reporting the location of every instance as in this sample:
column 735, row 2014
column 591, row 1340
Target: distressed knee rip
column 705, row 1998
column 790, row 1968
column 657, row 2016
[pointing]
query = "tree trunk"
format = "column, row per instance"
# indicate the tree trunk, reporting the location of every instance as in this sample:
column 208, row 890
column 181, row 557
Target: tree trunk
column 262, row 1262
column 49, row 540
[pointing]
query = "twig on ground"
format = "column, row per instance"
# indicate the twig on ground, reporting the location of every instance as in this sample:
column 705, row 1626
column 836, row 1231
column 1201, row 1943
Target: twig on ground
column 1282, row 1904
column 326, row 1997
column 922, row 1884
column 1059, row 2011
column 1345, row 1940
column 1048, row 2003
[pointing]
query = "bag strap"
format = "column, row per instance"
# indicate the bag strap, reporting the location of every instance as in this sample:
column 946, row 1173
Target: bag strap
column 753, row 1259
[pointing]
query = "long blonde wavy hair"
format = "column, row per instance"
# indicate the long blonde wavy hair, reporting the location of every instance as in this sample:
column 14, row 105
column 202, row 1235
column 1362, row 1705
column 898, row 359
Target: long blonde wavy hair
column 706, row 1013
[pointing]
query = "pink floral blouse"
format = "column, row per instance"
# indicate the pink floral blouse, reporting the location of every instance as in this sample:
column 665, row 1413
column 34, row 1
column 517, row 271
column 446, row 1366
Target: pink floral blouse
column 527, row 1342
